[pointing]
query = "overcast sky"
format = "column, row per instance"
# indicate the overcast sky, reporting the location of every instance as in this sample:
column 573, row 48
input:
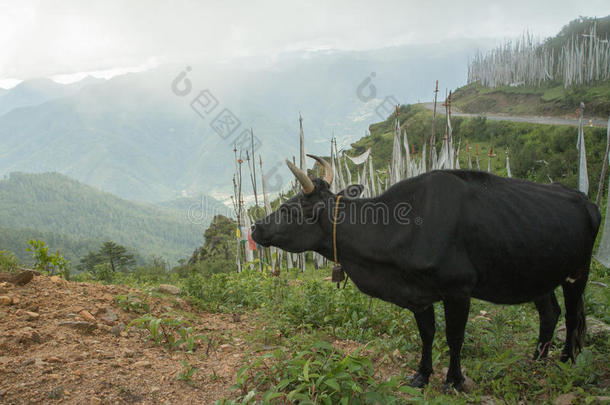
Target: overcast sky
column 60, row 38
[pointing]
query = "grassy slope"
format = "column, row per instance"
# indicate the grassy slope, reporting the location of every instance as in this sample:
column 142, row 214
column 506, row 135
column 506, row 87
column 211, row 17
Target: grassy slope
column 550, row 100
column 530, row 145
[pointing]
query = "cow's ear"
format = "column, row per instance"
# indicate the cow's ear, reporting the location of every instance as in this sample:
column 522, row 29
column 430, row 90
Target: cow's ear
column 352, row 191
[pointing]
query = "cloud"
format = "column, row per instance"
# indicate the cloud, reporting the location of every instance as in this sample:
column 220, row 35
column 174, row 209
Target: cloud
column 49, row 38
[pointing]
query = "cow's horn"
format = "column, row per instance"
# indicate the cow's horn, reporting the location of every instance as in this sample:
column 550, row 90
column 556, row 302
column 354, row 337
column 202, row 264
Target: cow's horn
column 328, row 170
column 301, row 176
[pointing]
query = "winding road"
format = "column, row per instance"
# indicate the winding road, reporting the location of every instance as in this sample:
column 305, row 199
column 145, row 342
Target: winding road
column 524, row 118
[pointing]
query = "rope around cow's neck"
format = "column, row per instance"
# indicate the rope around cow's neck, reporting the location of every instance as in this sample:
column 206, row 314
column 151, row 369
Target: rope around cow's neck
column 337, row 272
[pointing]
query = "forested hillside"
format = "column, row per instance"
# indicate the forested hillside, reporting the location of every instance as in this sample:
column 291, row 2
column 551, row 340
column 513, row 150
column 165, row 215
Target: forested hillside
column 71, row 211
column 579, row 27
column 16, row 241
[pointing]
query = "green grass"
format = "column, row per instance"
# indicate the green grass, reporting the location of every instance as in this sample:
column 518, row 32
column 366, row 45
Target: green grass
column 553, row 93
column 549, row 99
column 299, row 313
column 316, row 373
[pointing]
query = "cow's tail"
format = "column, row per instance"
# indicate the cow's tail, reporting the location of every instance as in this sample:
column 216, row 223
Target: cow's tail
column 581, row 325
column 576, row 321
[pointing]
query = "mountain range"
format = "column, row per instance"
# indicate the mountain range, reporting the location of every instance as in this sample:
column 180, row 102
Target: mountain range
column 137, row 136
column 37, row 91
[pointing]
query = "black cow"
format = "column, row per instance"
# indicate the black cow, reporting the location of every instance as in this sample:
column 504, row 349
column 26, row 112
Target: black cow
column 449, row 236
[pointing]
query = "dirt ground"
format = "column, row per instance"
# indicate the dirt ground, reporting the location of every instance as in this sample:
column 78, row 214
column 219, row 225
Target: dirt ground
column 63, row 342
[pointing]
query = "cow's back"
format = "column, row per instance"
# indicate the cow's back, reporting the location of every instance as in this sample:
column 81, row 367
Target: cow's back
column 521, row 237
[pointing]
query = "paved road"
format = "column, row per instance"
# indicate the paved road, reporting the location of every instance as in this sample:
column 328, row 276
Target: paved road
column 532, row 119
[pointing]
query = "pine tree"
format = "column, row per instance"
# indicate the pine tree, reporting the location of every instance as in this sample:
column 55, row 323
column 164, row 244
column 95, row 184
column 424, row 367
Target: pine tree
column 115, row 255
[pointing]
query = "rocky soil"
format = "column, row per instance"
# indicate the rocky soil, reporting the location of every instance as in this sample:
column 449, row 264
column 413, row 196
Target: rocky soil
column 65, row 342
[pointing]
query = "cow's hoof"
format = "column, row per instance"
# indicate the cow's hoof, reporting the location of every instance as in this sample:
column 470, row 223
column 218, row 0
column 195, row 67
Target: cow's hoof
column 539, row 356
column 542, row 351
column 419, row 380
column 450, row 386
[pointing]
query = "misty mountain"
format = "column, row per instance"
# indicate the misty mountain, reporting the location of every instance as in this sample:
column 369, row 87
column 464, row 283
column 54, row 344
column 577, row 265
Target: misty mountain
column 37, row 91
column 135, row 137
column 54, row 203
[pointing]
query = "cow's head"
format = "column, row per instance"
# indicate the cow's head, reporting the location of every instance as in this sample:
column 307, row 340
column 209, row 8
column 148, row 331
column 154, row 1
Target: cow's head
column 303, row 222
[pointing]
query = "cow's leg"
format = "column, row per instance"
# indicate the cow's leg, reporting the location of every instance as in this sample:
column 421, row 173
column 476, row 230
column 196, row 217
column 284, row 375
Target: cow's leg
column 575, row 316
column 456, row 315
column 548, row 311
column 426, row 326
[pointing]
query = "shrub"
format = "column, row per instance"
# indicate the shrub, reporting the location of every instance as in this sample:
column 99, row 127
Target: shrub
column 317, row 374
column 103, row 272
column 8, row 261
column 171, row 331
column 187, row 374
column 49, row 263
column 231, row 292
column 297, row 304
column 131, row 303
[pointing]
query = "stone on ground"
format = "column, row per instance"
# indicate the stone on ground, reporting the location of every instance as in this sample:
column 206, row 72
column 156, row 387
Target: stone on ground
column 168, row 289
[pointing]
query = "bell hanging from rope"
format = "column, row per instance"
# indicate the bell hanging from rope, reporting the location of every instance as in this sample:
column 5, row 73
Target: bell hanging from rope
column 337, row 274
